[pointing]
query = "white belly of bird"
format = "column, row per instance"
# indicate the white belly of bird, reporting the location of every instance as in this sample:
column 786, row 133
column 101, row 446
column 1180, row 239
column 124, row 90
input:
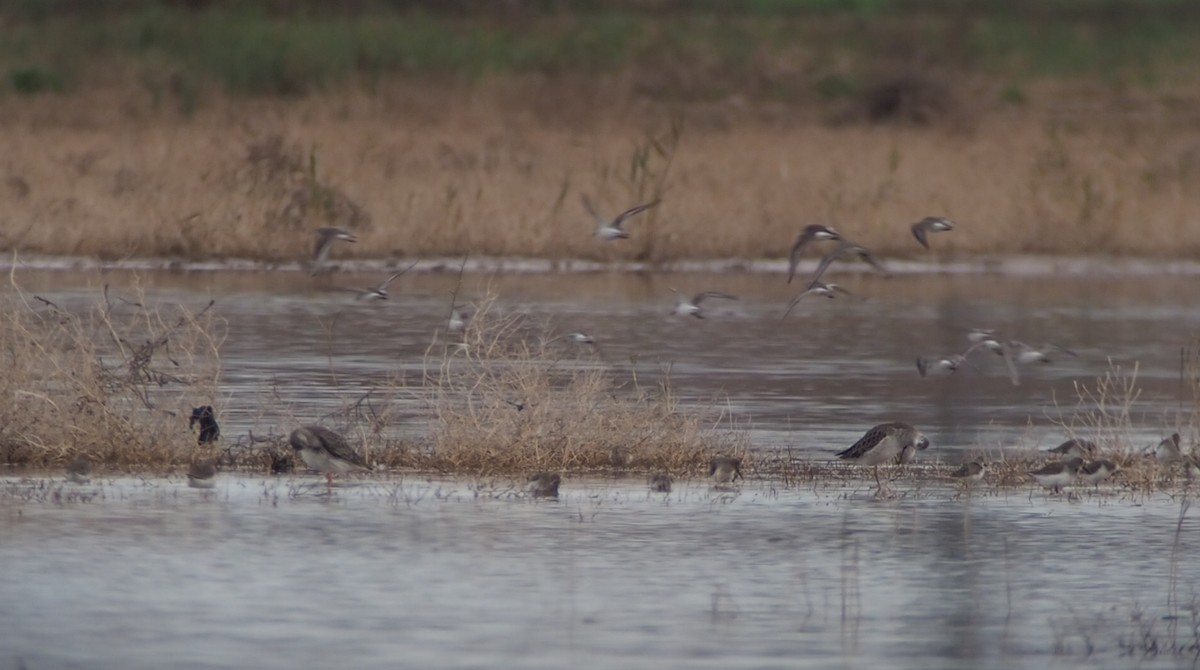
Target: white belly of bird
column 884, row 453
column 1054, row 481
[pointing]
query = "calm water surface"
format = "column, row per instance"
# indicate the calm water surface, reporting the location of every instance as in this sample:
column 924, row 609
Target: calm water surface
column 148, row 573
column 413, row 573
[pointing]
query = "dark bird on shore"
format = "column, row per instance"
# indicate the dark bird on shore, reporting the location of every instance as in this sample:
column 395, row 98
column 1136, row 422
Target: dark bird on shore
column 326, row 451
column 660, row 482
column 202, row 475
column 970, row 472
column 79, row 471
column 725, row 469
column 544, row 484
column 930, row 224
column 207, row 418
column 811, row 233
column 1074, row 448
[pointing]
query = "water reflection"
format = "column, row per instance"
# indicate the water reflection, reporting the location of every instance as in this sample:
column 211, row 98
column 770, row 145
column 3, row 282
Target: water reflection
column 810, row 383
column 425, row 573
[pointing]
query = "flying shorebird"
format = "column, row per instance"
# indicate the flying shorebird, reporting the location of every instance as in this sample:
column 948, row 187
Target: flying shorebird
column 1015, row 353
column 970, row 473
column 1055, row 476
column 326, row 451
column 325, row 239
column 724, row 470
column 1097, row 471
column 817, row 288
column 1074, row 448
column 930, row 224
column 544, row 485
column 811, row 233
column 846, row 251
column 202, row 475
column 985, row 338
column 947, row 364
column 79, row 471
column 607, row 229
column 379, row 291
column 685, row 307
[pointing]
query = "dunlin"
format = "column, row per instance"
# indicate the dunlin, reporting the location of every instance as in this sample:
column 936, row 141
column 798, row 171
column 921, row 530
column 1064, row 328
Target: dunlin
column 379, row 291
column 660, row 482
column 207, row 418
column 846, row 251
column 817, row 288
column 811, row 233
column 79, row 471
column 544, row 485
column 685, row 307
column 1074, row 448
column 970, row 473
column 202, row 475
column 1168, row 450
column 894, row 443
column 1054, row 476
column 1097, row 471
column 326, row 237
column 724, row 470
column 326, row 451
column 458, row 320
column 930, row 224
column 611, row 229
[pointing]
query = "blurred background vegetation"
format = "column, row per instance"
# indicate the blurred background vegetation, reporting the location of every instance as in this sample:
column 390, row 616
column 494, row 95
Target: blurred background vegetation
column 783, row 50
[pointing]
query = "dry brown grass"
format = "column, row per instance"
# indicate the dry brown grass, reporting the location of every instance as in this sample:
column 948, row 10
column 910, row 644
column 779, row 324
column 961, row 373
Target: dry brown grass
column 512, row 396
column 115, row 381
column 497, row 168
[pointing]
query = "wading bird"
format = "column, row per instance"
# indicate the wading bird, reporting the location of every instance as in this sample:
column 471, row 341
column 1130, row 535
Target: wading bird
column 202, row 475
column 323, row 450
column 1055, row 476
column 544, row 485
column 207, row 418
column 724, row 470
column 79, row 471
column 892, row 443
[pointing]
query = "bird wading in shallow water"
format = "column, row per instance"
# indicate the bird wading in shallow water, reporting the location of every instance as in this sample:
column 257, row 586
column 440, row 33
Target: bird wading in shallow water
column 324, row 450
column 892, row 443
column 207, row 418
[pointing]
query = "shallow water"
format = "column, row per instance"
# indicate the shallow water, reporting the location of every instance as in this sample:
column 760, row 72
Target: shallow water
column 811, row 383
column 415, row 573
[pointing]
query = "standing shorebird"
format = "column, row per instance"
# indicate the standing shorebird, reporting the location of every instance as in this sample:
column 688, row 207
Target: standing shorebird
column 685, row 307
column 611, row 229
column 202, row 475
column 970, row 473
column 1097, row 471
column 544, row 485
column 892, row 443
column 1168, row 450
column 79, row 471
column 458, row 320
column 325, row 240
column 1055, row 476
column 1074, row 448
column 326, row 451
column 660, row 482
column 379, row 291
column 724, row 470
column 930, row 224
column 811, row 233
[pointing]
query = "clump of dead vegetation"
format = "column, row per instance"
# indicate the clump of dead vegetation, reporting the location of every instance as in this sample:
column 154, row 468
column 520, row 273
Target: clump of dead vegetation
column 113, row 380
column 508, row 395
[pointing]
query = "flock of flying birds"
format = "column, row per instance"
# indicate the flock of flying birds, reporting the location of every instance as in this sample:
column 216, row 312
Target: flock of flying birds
column 886, row 444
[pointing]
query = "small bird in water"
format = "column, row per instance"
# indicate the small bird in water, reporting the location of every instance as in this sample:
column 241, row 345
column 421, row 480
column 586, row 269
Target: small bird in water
column 326, row 237
column 1168, row 450
column 1098, row 471
column 544, row 485
column 811, row 233
column 202, row 475
column 458, row 320
column 930, row 224
column 1054, row 476
column 379, row 291
column 610, row 229
column 660, row 482
column 970, row 473
column 685, row 307
column 79, row 471
column 724, row 470
column 207, row 418
column 326, row 451
column 1074, row 448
